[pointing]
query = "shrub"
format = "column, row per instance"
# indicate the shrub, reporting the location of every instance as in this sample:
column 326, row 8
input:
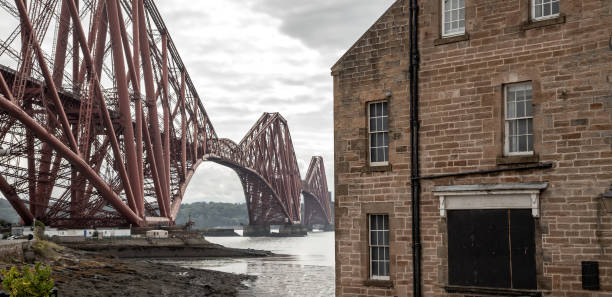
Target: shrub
column 39, row 229
column 35, row 282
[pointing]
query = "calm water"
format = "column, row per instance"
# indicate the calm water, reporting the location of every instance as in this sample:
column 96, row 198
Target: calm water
column 306, row 270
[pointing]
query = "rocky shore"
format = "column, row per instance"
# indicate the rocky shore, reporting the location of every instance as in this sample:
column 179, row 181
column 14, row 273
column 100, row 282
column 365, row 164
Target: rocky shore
column 86, row 273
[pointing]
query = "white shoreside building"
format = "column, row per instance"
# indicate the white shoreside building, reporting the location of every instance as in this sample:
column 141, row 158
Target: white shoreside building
column 50, row 232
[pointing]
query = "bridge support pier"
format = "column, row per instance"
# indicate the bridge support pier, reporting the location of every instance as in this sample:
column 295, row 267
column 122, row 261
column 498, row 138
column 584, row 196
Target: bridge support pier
column 256, row 230
column 293, row 230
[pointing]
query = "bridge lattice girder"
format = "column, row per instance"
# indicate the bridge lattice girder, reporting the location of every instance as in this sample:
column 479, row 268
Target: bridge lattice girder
column 317, row 202
column 105, row 126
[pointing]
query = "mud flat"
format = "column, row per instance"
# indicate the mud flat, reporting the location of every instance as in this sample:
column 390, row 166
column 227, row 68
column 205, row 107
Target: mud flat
column 164, row 248
column 79, row 272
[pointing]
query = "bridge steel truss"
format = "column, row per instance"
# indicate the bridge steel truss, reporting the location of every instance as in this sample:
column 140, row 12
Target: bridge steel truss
column 317, row 200
column 106, row 128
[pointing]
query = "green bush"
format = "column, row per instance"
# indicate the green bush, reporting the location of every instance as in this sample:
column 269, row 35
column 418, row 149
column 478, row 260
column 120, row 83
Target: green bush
column 35, row 282
column 39, row 229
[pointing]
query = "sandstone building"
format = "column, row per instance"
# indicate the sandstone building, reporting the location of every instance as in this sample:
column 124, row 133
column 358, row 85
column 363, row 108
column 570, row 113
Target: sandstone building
column 514, row 146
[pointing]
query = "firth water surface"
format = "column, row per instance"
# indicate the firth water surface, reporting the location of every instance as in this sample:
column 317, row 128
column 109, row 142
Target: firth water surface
column 306, row 270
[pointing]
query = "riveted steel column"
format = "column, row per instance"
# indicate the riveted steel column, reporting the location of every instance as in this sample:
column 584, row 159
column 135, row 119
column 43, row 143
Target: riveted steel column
column 125, row 116
column 137, row 99
column 165, row 107
column 103, row 108
column 183, row 127
column 152, row 107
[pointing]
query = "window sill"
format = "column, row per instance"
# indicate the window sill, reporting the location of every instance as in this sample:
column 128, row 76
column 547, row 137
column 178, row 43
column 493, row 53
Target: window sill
column 510, row 160
column 378, row 283
column 376, row 168
column 492, row 291
column 533, row 24
column 452, row 39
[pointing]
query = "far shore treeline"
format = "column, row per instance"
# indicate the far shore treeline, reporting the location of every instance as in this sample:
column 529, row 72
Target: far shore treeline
column 203, row 214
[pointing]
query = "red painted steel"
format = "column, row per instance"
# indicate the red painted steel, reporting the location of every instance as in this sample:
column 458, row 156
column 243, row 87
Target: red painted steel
column 317, row 202
column 87, row 146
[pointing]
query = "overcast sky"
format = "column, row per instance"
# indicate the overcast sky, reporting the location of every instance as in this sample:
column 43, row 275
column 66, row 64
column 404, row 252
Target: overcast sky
column 247, row 57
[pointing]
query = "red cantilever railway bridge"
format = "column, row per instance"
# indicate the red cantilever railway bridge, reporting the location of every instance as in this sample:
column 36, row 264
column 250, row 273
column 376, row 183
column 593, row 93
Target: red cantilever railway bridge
column 105, row 126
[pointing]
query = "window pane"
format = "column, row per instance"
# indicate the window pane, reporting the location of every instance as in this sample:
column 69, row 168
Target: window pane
column 455, row 15
column 529, row 109
column 461, row 3
column 372, row 124
column 510, row 97
column 510, row 110
column 513, row 146
column 380, row 152
column 379, row 124
column 385, row 137
column 522, row 143
column 372, row 222
column 386, row 268
column 462, row 14
column 385, row 124
column 446, row 27
column 555, row 7
column 513, row 128
column 522, row 127
column 546, row 9
column 373, row 155
column 386, row 152
column 386, row 223
column 454, row 4
column 373, row 239
column 372, row 110
column 384, row 108
column 529, row 126
column 520, row 109
column 375, row 268
column 462, row 25
column 530, row 143
column 538, row 11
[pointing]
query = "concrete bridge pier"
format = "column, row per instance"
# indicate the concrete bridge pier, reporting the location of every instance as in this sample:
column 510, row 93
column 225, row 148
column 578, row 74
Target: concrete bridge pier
column 293, row 230
column 256, row 230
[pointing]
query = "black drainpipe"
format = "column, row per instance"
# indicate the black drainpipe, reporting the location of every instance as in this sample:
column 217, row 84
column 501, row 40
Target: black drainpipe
column 415, row 181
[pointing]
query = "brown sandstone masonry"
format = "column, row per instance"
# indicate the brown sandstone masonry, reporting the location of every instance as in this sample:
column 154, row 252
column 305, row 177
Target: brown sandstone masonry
column 568, row 61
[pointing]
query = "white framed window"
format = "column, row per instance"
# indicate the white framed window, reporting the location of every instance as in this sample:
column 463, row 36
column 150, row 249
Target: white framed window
column 378, row 114
column 379, row 246
column 518, row 119
column 453, row 17
column 544, row 9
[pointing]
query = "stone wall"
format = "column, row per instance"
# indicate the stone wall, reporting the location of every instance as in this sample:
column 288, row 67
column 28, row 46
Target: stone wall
column 568, row 61
column 12, row 250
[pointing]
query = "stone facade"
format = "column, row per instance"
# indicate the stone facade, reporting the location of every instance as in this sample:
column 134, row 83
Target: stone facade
column 568, row 61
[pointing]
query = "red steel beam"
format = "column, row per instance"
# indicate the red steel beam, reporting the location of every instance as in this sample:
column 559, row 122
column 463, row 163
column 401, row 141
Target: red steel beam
column 103, row 108
column 125, row 116
column 47, row 75
column 165, row 106
column 108, row 193
column 152, row 107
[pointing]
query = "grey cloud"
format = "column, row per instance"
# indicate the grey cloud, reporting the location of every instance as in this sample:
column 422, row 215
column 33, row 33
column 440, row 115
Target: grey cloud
column 325, row 24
